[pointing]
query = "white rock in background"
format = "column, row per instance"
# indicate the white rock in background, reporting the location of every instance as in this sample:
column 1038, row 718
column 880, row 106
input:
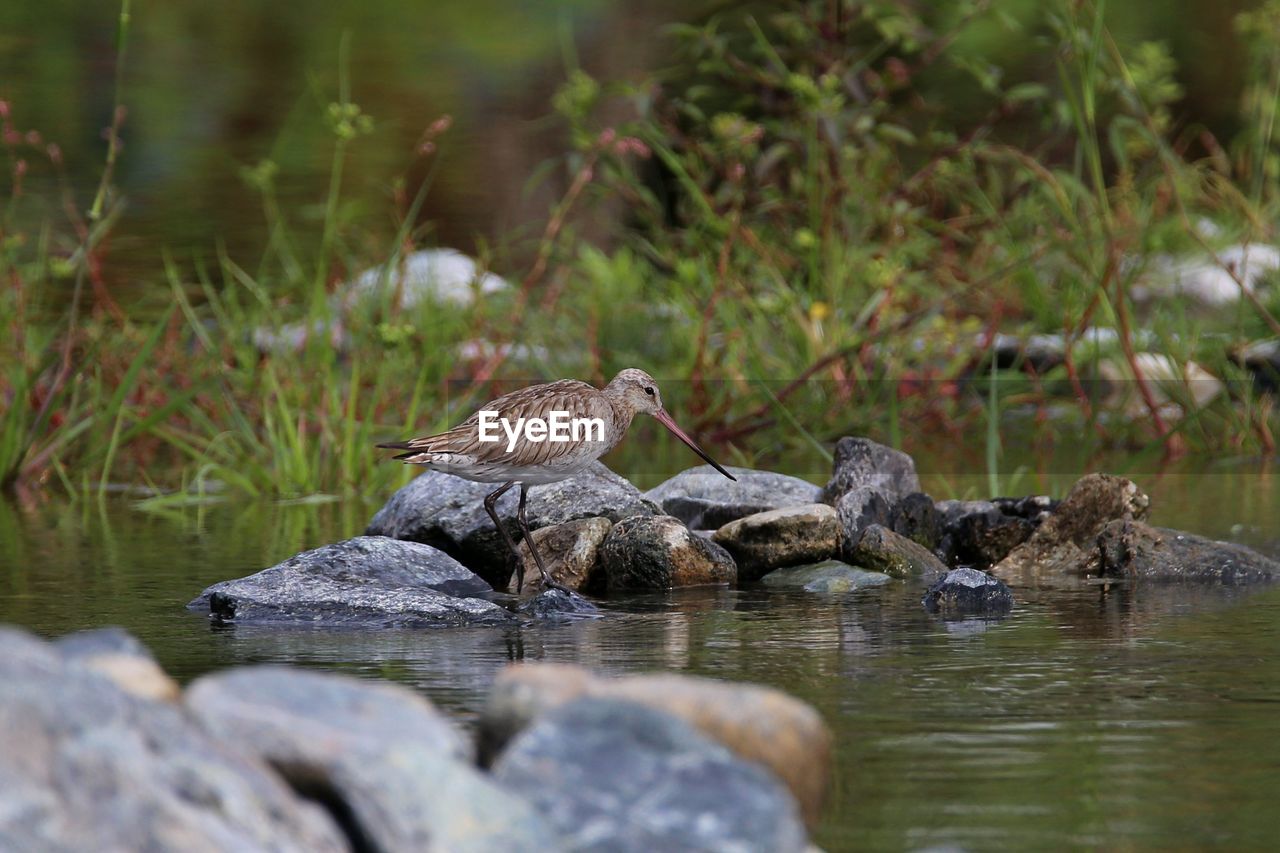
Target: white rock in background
column 1209, row 281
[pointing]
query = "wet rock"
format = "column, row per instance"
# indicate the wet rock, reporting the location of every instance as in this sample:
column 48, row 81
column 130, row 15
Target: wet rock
column 555, row 605
column 783, row 734
column 369, row 580
column 1132, row 549
column 979, row 534
column 570, row 550
column 882, row 550
column 861, row 462
column 827, row 576
column 378, row 754
column 769, row 540
column 447, row 512
column 705, row 500
column 859, row 509
column 1065, row 543
column 659, row 552
column 618, row 774
column 87, row 766
column 121, row 657
column 968, row 592
column 916, row 517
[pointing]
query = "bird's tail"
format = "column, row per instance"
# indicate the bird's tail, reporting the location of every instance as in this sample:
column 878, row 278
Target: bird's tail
column 409, row 446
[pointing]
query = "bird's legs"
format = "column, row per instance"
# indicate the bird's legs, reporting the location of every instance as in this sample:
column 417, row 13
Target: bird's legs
column 491, row 507
column 547, row 581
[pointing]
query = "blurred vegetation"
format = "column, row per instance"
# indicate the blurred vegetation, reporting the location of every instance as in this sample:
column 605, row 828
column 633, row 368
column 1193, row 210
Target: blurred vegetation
column 811, row 221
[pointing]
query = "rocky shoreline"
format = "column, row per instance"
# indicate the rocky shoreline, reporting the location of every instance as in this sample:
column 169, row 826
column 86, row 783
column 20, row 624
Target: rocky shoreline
column 431, row 555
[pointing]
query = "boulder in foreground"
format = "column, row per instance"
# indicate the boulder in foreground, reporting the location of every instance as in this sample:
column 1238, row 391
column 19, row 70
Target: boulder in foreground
column 369, row 580
column 659, row 552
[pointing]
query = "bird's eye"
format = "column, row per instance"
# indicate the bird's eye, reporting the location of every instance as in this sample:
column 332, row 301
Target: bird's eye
column 648, row 390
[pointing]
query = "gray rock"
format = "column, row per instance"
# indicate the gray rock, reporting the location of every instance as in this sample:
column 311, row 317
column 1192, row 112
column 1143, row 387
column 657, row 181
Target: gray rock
column 659, row 552
column 121, row 657
column 1131, row 549
column 379, row 754
column 978, row 534
column 554, row 605
column 447, row 512
column 369, row 580
column 780, row 733
column 860, row 508
column 615, row 775
column 916, row 517
column 969, row 591
column 1066, row 542
column 94, row 642
column 769, row 540
column 86, row 766
column 705, row 500
column 882, row 550
column 862, row 462
column 570, row 551
column 827, row 576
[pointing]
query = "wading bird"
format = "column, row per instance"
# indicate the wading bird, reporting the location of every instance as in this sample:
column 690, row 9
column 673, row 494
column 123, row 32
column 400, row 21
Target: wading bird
column 509, row 441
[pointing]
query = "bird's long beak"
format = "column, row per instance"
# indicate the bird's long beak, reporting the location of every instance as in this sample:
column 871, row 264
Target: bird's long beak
column 663, row 418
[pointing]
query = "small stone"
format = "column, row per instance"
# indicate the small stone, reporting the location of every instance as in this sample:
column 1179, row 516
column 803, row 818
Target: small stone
column 659, row 552
column 861, row 462
column 830, row 576
column 968, row 591
column 882, row 550
column 705, row 499
column 570, row 550
column 765, row 541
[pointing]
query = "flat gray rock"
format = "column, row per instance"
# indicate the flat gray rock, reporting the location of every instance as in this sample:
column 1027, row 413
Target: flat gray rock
column 861, row 462
column 969, row 592
column 382, row 755
column 86, row 766
column 1131, row 549
column 369, row 580
column 618, row 776
column 659, row 552
column 448, row 513
column 705, row 499
column 769, row 540
column 827, row 576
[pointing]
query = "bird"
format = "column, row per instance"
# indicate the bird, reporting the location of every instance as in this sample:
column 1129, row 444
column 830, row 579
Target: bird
column 517, row 456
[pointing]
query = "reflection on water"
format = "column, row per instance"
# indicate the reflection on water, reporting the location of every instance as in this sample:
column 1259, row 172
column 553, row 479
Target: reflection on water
column 1095, row 717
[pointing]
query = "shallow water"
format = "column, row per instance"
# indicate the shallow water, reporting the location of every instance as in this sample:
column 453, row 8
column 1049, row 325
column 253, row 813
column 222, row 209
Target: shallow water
column 1136, row 718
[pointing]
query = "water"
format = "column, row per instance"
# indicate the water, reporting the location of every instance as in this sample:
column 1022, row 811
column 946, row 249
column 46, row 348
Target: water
column 1141, row 718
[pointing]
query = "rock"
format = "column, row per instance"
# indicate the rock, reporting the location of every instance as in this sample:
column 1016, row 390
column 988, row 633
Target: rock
column 705, row 500
column 968, row 591
column 862, row 462
column 769, row 540
column 1209, row 280
column 616, row 775
column 447, row 512
column 860, row 508
column 978, row 534
column 916, row 517
column 1065, row 543
column 121, row 657
column 882, row 550
column 87, row 766
column 1262, row 359
column 827, row 576
column 554, row 605
column 659, row 552
column 369, row 580
column 1034, row 508
column 379, row 754
column 570, row 550
column 759, row 724
column 1132, row 549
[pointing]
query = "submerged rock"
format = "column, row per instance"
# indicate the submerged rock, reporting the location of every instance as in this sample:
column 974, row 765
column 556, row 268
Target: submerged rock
column 882, row 550
column 618, row 774
column 1131, row 549
column 705, row 499
column 368, row 580
column 379, row 754
column 759, row 724
column 861, row 462
column 1065, row 543
column 827, row 576
column 554, row 605
column 969, row 591
column 659, row 552
column 448, row 513
column 87, row 766
column 780, row 537
column 121, row 657
column 570, row 551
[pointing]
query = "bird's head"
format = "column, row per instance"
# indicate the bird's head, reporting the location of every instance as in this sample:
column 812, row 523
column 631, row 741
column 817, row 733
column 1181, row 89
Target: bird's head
column 636, row 390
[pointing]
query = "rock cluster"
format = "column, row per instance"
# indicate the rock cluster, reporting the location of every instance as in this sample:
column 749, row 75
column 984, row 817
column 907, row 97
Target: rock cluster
column 269, row 757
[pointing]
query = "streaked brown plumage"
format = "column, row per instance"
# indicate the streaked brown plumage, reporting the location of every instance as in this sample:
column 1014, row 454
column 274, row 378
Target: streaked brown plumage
column 461, row 452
